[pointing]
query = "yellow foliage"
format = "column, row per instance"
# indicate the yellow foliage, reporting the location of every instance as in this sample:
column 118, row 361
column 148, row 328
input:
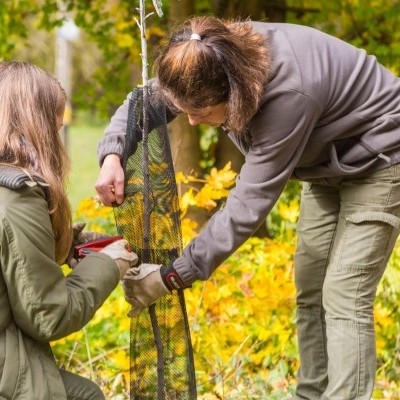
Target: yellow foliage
column 242, row 319
column 91, row 208
column 189, row 230
column 289, row 212
column 120, row 359
column 221, row 179
column 187, row 199
column 215, row 187
column 246, row 308
column 181, row 178
column 124, row 40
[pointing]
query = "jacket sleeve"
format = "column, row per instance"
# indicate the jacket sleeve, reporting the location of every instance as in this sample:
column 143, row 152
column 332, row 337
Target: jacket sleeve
column 278, row 135
column 45, row 304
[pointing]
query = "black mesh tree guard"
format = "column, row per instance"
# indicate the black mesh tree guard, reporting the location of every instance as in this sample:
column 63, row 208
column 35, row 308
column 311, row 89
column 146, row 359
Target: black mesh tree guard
column 162, row 366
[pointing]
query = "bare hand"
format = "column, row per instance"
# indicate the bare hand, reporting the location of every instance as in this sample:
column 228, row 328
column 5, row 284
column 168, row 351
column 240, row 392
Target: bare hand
column 110, row 183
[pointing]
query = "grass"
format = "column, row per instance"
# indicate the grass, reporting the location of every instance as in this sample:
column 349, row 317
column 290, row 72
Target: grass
column 82, row 139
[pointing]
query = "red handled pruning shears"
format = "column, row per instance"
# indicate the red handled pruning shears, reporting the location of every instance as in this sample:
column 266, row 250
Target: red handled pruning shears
column 82, row 250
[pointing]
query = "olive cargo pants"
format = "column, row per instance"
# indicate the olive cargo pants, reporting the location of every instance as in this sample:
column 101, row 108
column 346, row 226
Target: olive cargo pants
column 346, row 232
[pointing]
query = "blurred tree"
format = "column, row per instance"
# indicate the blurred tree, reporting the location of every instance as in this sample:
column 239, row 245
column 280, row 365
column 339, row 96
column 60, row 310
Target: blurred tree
column 184, row 138
column 108, row 56
column 372, row 25
column 273, row 11
column 111, row 26
column 17, row 18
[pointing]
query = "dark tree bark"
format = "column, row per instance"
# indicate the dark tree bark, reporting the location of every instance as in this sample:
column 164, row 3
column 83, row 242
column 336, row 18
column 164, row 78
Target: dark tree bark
column 270, row 10
column 184, row 139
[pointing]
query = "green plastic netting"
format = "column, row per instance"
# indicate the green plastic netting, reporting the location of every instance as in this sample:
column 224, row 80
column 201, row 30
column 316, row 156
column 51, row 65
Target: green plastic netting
column 162, row 366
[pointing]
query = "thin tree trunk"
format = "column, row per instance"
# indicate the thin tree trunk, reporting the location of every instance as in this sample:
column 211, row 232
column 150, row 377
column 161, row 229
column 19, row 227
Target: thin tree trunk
column 226, row 151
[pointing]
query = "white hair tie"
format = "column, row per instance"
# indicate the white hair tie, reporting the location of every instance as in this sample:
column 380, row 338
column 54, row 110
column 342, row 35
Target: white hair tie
column 195, row 36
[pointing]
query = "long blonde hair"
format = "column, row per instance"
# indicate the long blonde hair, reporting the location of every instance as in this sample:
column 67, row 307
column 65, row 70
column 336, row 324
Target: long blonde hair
column 31, row 100
column 230, row 63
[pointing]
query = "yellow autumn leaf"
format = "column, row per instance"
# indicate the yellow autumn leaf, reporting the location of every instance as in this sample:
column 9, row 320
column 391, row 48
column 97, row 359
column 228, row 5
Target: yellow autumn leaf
column 188, row 199
column 181, row 178
column 289, row 212
column 223, row 178
column 204, row 198
column 120, row 359
column 189, row 230
column 124, row 40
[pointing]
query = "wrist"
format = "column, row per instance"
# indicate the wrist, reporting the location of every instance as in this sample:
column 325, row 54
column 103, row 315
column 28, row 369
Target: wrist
column 171, row 278
column 123, row 267
column 111, row 159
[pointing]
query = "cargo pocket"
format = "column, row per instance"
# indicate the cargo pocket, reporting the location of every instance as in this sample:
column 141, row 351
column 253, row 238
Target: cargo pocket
column 366, row 241
column 11, row 366
column 306, row 187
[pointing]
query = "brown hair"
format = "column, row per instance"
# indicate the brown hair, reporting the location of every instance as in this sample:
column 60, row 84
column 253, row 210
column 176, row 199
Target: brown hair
column 230, row 63
column 30, row 102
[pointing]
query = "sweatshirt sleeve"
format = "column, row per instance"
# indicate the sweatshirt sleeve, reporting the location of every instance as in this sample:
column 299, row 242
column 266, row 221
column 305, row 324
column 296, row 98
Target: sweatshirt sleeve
column 45, row 304
column 278, row 134
column 113, row 141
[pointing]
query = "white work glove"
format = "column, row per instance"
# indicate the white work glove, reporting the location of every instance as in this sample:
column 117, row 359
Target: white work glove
column 123, row 257
column 143, row 285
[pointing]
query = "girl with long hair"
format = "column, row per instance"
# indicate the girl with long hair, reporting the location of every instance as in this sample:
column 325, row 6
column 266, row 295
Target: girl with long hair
column 38, row 303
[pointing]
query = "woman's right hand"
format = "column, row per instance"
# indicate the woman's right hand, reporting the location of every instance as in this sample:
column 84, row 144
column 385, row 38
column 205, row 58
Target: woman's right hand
column 110, row 183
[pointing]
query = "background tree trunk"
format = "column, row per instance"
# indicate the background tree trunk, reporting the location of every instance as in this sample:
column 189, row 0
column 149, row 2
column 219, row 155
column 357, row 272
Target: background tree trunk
column 184, row 138
column 238, row 8
column 272, row 10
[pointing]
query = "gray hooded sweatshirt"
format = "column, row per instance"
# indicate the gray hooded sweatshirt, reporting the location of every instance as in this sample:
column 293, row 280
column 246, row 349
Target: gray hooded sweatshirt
column 329, row 110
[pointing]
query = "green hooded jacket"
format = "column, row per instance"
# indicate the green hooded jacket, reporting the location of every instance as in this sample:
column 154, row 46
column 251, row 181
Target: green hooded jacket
column 38, row 303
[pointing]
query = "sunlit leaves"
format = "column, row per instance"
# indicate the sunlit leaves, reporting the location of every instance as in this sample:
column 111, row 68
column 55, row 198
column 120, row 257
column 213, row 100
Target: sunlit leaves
column 214, row 187
column 14, row 16
column 247, row 308
column 372, row 25
column 98, row 217
column 242, row 319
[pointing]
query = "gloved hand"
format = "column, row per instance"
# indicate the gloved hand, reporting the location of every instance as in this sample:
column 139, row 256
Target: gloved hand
column 80, row 237
column 143, row 285
column 123, row 257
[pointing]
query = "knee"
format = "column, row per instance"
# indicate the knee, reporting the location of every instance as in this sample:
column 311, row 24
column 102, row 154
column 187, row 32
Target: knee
column 351, row 303
column 80, row 388
column 94, row 392
column 308, row 289
column 333, row 300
